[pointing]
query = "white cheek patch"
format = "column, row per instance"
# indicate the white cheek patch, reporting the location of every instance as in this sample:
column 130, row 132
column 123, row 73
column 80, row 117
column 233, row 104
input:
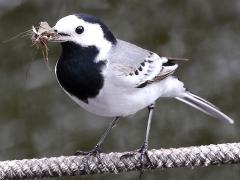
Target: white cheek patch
column 92, row 35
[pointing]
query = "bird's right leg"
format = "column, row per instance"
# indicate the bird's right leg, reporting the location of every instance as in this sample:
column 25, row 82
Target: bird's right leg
column 97, row 148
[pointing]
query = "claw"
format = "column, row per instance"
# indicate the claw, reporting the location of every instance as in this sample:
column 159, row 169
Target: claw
column 96, row 151
column 93, row 152
column 144, row 154
column 143, row 151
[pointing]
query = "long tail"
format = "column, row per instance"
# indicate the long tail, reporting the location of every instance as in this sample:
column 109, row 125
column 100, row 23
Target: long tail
column 204, row 106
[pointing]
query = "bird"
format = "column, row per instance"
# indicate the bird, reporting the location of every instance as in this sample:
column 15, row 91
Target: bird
column 113, row 78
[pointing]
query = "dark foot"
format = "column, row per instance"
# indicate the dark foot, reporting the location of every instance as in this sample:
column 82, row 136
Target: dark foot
column 94, row 152
column 144, row 153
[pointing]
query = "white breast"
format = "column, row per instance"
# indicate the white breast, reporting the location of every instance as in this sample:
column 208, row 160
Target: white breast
column 115, row 101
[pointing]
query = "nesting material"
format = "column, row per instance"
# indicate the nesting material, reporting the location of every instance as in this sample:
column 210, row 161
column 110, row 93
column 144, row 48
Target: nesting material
column 40, row 37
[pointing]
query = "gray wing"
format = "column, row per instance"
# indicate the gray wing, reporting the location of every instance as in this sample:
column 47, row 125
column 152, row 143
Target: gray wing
column 128, row 54
column 133, row 66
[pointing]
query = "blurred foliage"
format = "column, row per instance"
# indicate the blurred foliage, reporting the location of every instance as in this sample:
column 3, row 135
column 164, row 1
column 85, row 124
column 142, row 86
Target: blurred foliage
column 37, row 119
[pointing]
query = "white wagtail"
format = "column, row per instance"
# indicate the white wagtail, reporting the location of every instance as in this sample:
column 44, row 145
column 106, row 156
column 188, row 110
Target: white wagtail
column 113, row 78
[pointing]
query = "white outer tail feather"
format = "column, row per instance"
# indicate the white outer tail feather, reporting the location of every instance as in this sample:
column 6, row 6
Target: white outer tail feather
column 204, row 106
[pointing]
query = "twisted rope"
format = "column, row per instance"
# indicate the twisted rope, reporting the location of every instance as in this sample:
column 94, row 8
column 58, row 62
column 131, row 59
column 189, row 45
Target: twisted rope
column 116, row 162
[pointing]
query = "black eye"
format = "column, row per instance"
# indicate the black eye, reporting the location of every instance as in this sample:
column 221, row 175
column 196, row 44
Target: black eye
column 79, row 30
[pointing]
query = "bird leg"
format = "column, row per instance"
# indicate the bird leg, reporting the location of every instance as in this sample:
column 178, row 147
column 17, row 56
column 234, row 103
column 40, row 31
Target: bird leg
column 97, row 149
column 144, row 149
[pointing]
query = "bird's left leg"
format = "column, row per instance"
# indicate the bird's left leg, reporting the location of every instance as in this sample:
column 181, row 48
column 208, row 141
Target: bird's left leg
column 144, row 149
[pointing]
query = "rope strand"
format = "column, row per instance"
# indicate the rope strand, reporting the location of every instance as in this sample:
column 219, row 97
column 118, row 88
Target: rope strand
column 116, row 162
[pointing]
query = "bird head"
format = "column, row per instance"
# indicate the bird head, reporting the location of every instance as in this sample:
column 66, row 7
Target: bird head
column 84, row 30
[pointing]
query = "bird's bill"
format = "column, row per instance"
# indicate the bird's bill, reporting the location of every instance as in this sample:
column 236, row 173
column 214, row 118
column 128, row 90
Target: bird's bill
column 57, row 36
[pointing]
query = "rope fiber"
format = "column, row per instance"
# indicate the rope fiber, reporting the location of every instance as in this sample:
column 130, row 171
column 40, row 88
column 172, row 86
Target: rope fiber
column 116, row 162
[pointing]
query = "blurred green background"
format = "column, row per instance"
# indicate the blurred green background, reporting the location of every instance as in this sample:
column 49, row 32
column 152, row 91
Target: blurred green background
column 37, row 119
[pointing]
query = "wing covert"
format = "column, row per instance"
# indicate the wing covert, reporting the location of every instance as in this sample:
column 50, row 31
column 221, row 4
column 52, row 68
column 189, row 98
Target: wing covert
column 133, row 66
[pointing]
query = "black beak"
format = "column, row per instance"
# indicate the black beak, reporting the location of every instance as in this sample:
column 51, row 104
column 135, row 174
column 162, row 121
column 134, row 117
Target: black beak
column 63, row 34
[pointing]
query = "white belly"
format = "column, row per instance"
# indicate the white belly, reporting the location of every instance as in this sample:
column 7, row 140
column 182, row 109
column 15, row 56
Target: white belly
column 115, row 101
